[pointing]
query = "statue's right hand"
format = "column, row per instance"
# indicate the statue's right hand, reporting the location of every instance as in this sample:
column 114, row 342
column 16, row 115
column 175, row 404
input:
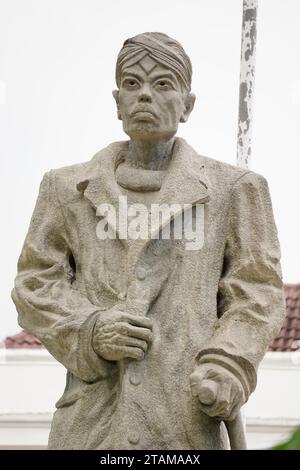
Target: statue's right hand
column 118, row 335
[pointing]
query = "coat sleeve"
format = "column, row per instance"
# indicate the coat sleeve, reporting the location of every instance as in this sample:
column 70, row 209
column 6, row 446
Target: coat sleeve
column 251, row 304
column 48, row 305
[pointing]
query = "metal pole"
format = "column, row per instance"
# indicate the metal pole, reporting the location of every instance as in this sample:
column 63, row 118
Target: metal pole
column 247, row 77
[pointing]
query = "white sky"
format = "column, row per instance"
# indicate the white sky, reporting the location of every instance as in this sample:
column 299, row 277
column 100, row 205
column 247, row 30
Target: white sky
column 57, row 60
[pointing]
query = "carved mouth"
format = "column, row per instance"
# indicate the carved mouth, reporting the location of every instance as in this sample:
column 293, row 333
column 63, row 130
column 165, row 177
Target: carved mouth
column 143, row 111
column 143, row 115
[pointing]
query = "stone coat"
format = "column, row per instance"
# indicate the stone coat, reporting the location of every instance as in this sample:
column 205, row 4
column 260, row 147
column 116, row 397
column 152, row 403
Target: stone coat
column 222, row 304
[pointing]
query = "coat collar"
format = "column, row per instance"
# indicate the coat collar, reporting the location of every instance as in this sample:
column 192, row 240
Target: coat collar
column 185, row 182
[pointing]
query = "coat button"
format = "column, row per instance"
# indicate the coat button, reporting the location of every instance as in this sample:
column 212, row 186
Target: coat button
column 141, row 273
column 135, row 378
column 122, row 296
column 133, row 438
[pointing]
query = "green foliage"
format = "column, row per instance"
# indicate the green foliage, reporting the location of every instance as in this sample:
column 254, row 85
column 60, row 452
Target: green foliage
column 293, row 443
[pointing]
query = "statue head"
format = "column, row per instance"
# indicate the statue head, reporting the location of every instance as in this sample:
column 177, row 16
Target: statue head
column 153, row 75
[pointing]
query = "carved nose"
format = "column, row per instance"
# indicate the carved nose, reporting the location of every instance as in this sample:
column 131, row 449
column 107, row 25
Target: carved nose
column 145, row 95
column 145, row 98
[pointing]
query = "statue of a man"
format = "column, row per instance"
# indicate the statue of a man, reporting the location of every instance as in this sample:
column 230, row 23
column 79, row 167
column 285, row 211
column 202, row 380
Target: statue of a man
column 142, row 323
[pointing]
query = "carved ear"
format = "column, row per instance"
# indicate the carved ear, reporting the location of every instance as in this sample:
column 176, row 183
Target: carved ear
column 116, row 97
column 189, row 105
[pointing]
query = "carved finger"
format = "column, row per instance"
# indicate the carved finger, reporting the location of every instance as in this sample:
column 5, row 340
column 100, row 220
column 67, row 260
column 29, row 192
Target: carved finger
column 123, row 340
column 135, row 331
column 136, row 320
column 224, row 400
column 134, row 353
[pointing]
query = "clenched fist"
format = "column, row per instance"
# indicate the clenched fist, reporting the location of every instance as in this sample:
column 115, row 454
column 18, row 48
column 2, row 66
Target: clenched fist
column 220, row 393
column 118, row 335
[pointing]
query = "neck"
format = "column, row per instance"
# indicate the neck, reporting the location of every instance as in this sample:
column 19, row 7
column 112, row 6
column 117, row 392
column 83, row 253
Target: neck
column 150, row 155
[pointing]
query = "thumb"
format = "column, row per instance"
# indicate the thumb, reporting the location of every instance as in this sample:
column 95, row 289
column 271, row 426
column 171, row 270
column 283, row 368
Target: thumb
column 208, row 391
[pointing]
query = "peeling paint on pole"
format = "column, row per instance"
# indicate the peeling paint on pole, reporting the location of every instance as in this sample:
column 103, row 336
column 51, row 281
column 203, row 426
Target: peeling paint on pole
column 247, row 78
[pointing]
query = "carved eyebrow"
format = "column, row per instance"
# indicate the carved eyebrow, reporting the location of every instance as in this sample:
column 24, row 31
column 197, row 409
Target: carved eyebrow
column 163, row 76
column 158, row 76
column 129, row 74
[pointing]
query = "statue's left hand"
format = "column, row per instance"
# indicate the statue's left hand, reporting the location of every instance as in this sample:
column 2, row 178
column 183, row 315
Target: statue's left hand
column 220, row 393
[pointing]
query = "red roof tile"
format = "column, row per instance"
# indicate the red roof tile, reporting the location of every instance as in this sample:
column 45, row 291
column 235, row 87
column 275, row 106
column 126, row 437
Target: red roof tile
column 22, row 340
column 287, row 340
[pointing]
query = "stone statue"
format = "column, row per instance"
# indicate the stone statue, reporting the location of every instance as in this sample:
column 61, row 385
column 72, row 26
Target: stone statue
column 161, row 336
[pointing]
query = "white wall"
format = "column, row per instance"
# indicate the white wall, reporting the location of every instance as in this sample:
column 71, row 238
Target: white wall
column 56, row 75
column 273, row 410
column 32, row 381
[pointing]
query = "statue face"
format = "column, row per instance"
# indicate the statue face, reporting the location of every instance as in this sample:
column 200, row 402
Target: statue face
column 151, row 101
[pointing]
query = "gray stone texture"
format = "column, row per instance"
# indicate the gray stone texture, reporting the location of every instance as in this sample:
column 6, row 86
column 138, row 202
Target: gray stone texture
column 161, row 344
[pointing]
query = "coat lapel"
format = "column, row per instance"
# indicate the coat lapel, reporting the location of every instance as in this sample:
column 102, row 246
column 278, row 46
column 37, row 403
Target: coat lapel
column 185, row 182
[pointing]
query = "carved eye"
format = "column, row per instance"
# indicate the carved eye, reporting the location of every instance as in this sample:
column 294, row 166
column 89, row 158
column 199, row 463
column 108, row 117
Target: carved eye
column 164, row 85
column 130, row 83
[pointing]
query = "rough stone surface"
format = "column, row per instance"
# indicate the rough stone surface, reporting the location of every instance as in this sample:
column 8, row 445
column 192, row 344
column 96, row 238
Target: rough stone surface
column 161, row 343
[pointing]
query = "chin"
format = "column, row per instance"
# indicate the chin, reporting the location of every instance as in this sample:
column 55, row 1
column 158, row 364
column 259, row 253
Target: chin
column 142, row 133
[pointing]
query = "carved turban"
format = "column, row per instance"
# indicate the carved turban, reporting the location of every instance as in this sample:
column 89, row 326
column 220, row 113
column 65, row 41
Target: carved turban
column 161, row 48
